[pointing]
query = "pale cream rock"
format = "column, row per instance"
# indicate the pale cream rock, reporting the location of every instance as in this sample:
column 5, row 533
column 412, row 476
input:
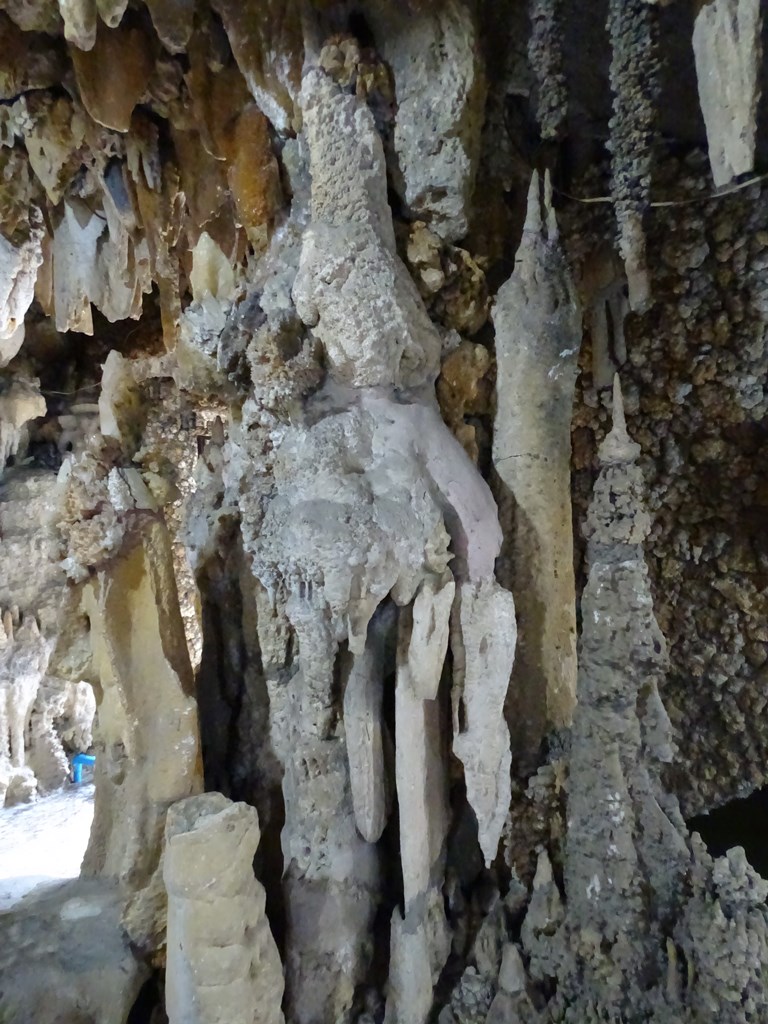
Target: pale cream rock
column 419, row 948
column 111, row 11
column 440, row 90
column 121, row 412
column 76, row 266
column 80, row 22
column 363, row 727
column 147, row 738
column 420, row 939
column 212, row 272
column 352, row 289
column 18, row 273
column 429, row 636
column 23, row 660
column 538, row 336
column 19, row 404
column 222, row 963
column 728, row 53
column 483, row 644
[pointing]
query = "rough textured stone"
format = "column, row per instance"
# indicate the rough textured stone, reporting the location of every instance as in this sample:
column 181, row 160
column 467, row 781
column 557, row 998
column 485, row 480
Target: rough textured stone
column 65, row 957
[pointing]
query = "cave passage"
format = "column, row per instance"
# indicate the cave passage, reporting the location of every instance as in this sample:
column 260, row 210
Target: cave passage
column 737, row 823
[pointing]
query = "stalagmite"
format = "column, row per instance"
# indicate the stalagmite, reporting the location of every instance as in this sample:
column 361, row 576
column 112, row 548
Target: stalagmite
column 538, row 334
column 728, row 50
column 222, row 963
column 334, row 491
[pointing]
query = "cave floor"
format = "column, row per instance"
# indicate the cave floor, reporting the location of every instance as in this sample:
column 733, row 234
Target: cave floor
column 43, row 841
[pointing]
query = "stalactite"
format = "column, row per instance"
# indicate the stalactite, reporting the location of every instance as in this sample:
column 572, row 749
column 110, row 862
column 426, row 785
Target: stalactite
column 538, row 335
column 634, row 77
column 315, row 422
column 728, row 50
column 545, row 53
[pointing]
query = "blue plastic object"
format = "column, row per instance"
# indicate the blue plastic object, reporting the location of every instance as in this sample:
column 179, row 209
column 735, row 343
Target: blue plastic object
column 77, row 765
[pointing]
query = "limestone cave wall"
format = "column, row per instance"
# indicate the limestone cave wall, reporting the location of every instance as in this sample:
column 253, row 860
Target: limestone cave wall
column 383, row 402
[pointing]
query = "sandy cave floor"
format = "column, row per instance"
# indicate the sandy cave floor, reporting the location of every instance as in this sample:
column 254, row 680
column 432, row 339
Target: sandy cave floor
column 43, row 841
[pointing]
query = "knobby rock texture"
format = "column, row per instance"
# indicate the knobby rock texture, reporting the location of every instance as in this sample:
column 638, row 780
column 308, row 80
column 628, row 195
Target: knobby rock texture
column 382, row 503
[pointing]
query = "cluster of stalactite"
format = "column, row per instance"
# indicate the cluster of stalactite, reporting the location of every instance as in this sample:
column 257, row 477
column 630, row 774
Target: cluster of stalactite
column 372, row 743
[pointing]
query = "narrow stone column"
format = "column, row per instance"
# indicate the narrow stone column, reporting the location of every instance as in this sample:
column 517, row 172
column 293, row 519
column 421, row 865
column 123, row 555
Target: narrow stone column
column 222, row 964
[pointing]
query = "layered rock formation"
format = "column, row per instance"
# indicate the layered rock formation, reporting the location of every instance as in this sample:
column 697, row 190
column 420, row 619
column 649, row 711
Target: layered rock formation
column 310, row 491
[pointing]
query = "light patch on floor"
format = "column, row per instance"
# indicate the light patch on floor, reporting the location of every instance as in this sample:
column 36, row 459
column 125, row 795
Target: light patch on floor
column 44, row 841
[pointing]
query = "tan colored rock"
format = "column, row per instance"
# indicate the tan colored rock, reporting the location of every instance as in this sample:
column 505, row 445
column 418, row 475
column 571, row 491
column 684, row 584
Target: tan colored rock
column 173, row 20
column 54, row 139
column 253, row 176
column 266, row 39
column 728, row 52
column 26, row 62
column 464, row 388
column 112, row 75
column 222, row 963
column 538, row 335
column 147, row 739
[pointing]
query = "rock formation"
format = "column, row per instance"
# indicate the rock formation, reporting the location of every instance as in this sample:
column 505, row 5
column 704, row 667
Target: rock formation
column 403, row 658
column 222, row 963
column 538, row 335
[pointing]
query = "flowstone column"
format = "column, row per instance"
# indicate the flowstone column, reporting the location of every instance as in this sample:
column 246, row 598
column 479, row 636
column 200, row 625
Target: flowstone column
column 119, row 559
column 370, row 490
column 538, row 335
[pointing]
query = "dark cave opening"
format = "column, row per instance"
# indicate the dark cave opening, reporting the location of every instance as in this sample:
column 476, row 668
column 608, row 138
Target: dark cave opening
column 738, row 823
